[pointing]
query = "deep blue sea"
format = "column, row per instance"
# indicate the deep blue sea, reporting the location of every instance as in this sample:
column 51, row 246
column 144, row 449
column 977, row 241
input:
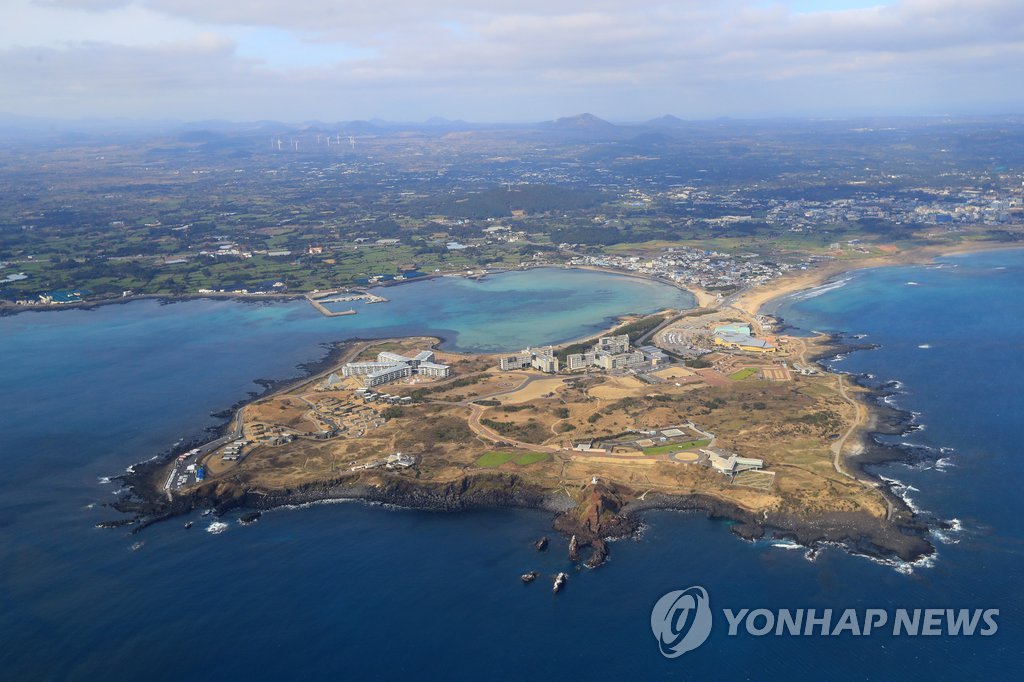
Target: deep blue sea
column 351, row 591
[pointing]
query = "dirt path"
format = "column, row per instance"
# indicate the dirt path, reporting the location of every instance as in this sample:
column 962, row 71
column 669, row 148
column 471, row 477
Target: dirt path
column 860, row 420
column 476, row 412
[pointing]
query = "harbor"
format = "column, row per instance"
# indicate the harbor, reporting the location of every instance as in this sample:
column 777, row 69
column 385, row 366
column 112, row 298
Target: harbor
column 317, row 299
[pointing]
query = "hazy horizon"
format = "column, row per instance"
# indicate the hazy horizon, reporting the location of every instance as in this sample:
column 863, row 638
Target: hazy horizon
column 102, row 123
column 510, row 61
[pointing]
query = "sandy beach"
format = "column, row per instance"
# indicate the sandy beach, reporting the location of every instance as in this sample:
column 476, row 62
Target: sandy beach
column 753, row 301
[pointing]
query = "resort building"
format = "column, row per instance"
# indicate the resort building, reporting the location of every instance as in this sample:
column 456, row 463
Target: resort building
column 518, row 361
column 613, row 353
column 615, row 345
column 433, row 369
column 541, row 359
column 544, row 360
column 392, row 367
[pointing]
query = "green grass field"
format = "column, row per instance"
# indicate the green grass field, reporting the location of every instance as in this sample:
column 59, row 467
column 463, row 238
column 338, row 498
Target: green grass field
column 493, row 460
column 528, row 458
column 676, row 447
column 743, row 374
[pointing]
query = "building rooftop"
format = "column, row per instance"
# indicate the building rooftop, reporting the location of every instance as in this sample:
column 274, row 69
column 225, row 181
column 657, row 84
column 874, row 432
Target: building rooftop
column 740, row 329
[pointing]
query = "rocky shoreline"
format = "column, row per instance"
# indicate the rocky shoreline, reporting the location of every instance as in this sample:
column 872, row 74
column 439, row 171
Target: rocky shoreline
column 7, row 308
column 607, row 511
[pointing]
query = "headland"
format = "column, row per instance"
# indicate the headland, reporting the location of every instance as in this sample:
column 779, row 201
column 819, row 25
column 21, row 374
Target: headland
column 709, row 410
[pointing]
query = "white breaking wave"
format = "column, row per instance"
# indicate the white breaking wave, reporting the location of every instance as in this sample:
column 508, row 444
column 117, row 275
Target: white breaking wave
column 217, row 527
column 103, row 480
column 308, row 505
column 924, row 345
column 902, row 490
column 946, row 535
column 913, row 284
column 823, row 289
column 900, row 566
column 907, row 567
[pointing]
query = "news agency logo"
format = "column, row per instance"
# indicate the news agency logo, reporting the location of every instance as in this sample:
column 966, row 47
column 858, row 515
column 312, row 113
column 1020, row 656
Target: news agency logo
column 681, row 621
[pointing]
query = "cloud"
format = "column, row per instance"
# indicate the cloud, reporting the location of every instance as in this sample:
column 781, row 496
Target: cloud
column 512, row 59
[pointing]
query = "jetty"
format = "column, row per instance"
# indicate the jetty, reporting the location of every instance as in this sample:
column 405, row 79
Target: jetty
column 317, row 299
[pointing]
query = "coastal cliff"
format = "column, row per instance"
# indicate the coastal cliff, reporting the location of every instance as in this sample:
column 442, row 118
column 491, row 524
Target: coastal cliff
column 605, row 512
column 591, row 513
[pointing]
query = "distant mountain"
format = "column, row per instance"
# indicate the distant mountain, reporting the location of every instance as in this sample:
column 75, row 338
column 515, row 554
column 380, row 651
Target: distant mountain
column 580, row 122
column 584, row 127
column 666, row 121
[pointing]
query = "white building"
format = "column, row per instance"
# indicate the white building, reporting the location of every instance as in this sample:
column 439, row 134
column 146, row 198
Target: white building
column 392, row 367
column 613, row 352
column 542, row 359
column 729, row 463
column 517, row 361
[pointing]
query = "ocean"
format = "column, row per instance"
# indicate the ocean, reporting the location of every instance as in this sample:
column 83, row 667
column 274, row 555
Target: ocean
column 355, row 591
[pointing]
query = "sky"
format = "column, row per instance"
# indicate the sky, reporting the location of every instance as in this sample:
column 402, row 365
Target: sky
column 509, row 60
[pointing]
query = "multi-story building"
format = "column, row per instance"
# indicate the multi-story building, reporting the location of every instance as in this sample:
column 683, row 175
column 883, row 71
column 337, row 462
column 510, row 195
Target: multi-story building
column 613, row 344
column 433, row 369
column 392, row 366
column 613, row 353
column 545, row 360
column 542, row 359
column 518, row 361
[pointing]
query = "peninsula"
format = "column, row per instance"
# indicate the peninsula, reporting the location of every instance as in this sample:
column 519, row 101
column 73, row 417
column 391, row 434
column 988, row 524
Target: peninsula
column 708, row 409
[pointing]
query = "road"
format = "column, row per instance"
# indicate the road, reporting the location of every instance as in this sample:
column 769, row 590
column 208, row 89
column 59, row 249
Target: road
column 179, row 477
column 476, row 412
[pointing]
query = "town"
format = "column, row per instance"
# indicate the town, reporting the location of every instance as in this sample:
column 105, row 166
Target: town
column 643, row 198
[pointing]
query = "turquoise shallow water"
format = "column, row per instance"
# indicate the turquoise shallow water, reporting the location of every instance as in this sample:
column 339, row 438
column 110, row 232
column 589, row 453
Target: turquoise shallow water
column 511, row 310
column 353, row 591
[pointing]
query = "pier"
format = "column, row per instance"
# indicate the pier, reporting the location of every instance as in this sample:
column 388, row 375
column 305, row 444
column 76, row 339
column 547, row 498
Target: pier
column 319, row 298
